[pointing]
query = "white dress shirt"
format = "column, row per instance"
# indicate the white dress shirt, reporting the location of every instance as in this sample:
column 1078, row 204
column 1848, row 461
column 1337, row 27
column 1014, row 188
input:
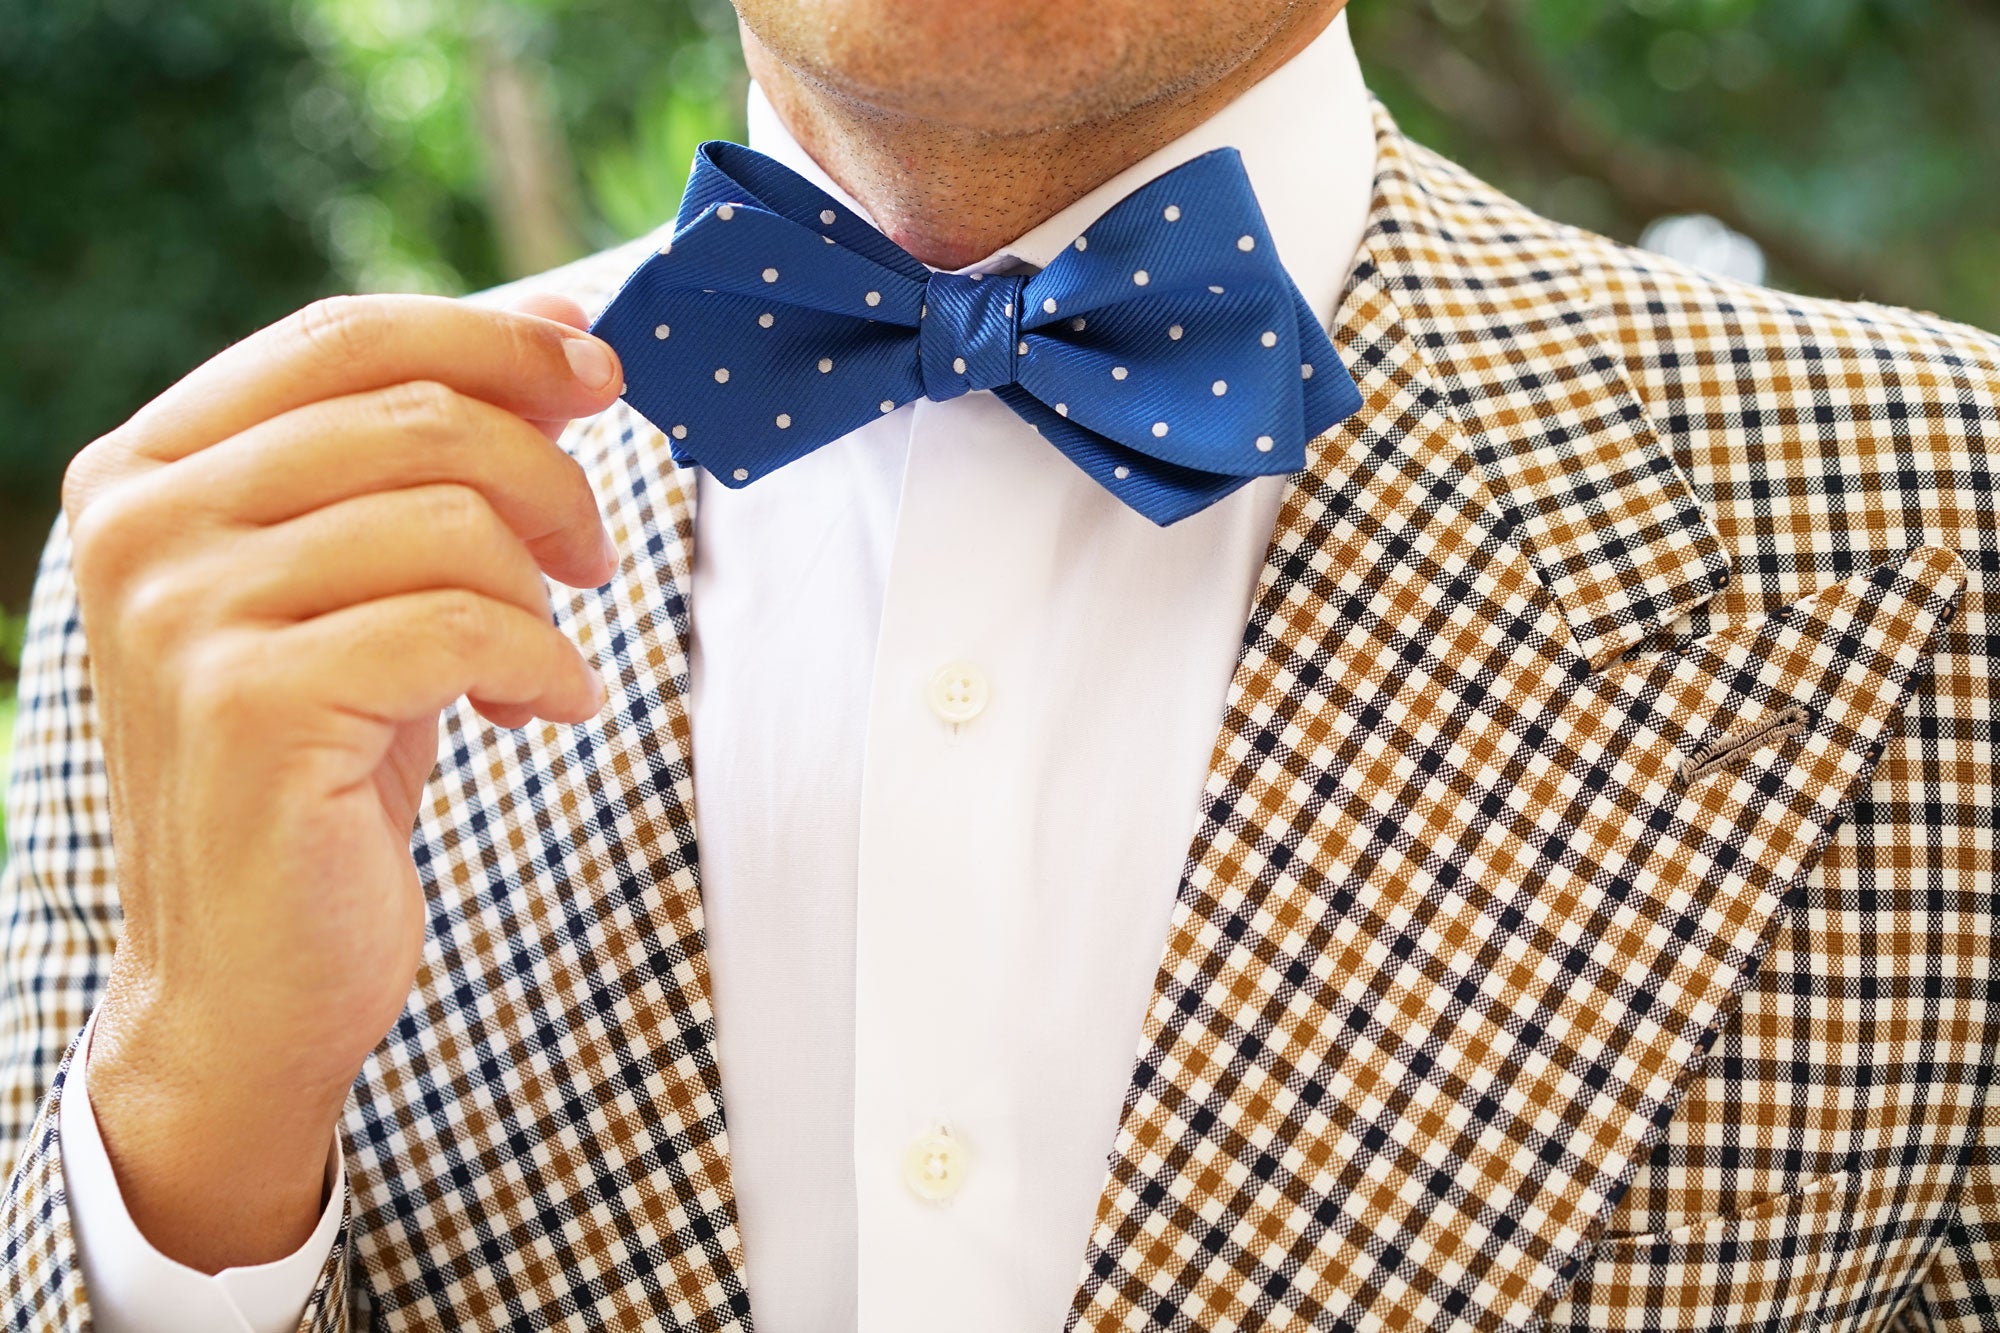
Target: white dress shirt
column 953, row 708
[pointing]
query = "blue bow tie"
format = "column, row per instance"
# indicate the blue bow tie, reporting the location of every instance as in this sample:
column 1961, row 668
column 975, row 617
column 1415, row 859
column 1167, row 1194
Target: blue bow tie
column 1165, row 352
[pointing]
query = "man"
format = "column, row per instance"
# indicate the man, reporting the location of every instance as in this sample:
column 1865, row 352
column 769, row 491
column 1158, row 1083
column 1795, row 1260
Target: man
column 1539, row 849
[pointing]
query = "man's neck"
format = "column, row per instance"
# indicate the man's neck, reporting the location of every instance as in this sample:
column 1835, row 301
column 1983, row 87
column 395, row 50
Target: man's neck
column 951, row 195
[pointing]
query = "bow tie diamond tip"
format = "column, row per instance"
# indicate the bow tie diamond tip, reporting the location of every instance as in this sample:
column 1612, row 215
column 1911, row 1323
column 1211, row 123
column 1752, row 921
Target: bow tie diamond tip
column 1165, row 352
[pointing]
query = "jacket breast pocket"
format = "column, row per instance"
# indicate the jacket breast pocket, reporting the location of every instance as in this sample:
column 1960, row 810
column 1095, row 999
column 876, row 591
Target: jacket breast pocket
column 1765, row 1270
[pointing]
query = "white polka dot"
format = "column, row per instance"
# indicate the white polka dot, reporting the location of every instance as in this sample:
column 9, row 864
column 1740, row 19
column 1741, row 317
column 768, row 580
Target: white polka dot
column 1119, row 372
column 764, row 320
column 1141, row 278
column 784, row 421
column 825, row 364
column 1159, row 429
column 1062, row 409
column 1219, row 388
column 770, row 275
column 1078, row 324
column 1082, row 243
column 888, row 405
column 726, row 212
column 722, row 374
column 1021, row 349
column 742, row 474
column 1175, row 332
column 1049, row 306
column 924, row 310
column 827, row 239
column 958, row 365
column 1305, row 370
column 661, row 330
column 1215, row 289
column 667, row 249
column 826, row 216
column 680, row 432
column 873, row 298
column 978, row 277
column 1172, row 213
column 1264, row 443
column 1269, row 339
column 1246, row 243
column 1121, row 472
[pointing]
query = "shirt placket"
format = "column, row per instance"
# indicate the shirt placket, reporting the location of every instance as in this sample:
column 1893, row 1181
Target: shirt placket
column 944, row 845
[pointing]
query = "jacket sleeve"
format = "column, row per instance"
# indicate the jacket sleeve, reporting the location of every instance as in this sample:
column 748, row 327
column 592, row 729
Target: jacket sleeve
column 58, row 924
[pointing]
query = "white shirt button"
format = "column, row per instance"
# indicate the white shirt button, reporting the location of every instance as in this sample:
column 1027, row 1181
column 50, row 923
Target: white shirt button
column 958, row 692
column 934, row 1166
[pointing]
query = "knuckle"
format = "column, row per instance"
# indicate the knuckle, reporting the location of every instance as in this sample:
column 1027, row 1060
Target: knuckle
column 463, row 620
column 425, row 409
column 457, row 512
column 107, row 538
column 338, row 327
column 157, row 609
column 86, row 474
column 222, row 688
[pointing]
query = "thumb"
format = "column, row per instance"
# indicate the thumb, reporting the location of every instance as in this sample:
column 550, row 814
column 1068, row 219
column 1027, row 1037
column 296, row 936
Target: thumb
column 550, row 305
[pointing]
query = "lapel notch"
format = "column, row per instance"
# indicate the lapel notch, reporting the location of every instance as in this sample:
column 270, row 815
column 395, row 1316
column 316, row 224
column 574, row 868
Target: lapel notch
column 1504, row 317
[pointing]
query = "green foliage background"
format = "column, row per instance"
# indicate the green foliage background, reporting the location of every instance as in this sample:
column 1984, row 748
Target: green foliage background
column 179, row 172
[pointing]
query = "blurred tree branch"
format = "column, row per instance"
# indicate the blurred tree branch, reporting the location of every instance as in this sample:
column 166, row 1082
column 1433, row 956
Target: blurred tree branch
column 1484, row 77
column 530, row 180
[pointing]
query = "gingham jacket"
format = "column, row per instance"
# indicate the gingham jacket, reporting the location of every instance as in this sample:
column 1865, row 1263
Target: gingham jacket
column 1588, row 922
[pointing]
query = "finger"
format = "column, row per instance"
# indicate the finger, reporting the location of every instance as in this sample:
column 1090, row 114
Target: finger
column 377, row 546
column 405, row 658
column 407, row 435
column 551, row 305
column 536, row 368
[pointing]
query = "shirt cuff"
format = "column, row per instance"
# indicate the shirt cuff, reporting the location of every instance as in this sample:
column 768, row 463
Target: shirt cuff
column 133, row 1287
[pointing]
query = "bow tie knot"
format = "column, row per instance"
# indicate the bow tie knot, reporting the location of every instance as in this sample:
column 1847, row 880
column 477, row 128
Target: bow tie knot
column 969, row 334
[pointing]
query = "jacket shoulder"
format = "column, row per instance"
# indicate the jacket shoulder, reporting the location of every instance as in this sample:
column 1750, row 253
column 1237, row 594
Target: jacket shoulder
column 1694, row 334
column 1659, row 308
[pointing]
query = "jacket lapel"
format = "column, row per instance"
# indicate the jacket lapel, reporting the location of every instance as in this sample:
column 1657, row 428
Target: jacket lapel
column 543, row 1129
column 1460, row 916
column 1517, row 347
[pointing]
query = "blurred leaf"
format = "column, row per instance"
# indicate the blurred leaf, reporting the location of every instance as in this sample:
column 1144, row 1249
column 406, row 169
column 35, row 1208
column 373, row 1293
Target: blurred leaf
column 158, row 206
column 1857, row 141
column 637, row 186
column 13, row 631
column 6, row 759
column 13, row 637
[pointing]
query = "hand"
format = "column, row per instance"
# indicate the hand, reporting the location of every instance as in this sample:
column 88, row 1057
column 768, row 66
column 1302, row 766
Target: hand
column 287, row 565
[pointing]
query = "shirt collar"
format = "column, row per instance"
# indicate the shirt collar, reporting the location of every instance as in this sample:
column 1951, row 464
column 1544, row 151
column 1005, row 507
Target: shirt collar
column 1315, row 189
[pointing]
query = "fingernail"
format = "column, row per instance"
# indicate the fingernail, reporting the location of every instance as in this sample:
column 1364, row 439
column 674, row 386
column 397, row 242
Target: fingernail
column 603, row 693
column 611, row 558
column 591, row 362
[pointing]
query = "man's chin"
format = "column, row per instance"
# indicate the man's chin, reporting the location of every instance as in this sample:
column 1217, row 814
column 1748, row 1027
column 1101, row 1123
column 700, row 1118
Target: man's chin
column 1003, row 67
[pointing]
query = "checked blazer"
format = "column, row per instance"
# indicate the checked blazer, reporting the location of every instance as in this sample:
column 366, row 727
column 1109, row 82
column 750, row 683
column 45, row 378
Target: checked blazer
column 1588, row 923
